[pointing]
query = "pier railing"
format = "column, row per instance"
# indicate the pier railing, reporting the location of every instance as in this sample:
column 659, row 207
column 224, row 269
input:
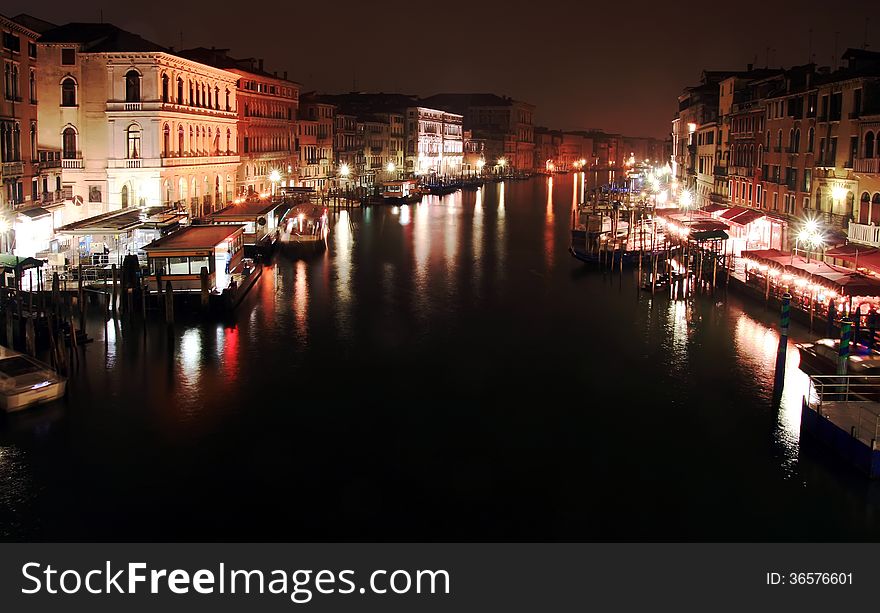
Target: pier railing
column 851, row 402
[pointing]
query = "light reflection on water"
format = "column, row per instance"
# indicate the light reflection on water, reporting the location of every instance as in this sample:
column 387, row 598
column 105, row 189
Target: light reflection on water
column 431, row 370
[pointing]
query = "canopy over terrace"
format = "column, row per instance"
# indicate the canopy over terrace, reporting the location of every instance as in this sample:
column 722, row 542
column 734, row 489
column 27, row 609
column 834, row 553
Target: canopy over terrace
column 814, row 275
column 696, row 227
column 129, row 229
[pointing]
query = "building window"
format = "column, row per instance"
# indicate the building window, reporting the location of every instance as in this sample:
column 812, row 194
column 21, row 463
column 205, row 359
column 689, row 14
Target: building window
column 132, row 86
column 228, row 108
column 180, row 144
column 124, row 196
column 166, row 140
column 68, row 92
column 32, row 87
column 133, row 148
column 165, row 88
column 33, row 142
column 179, row 90
column 68, row 143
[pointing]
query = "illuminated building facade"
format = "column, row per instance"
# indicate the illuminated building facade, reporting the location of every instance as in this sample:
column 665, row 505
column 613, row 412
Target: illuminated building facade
column 267, row 112
column 19, row 168
column 133, row 124
column 434, row 142
column 316, row 140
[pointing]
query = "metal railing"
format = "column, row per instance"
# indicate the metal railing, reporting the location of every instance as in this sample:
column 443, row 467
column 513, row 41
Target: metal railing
column 851, row 402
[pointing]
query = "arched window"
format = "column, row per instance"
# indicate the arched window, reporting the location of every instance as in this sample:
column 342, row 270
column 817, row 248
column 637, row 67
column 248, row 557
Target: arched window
column 191, row 96
column 166, row 140
column 228, row 108
column 791, row 140
column 68, row 143
column 811, row 138
column 165, row 92
column 797, row 140
column 869, row 145
column 767, row 144
column 132, row 86
column 181, row 149
column 779, row 140
column 228, row 141
column 133, row 138
column 191, row 143
column 180, row 99
column 217, row 98
column 33, row 86
column 124, row 196
column 68, row 92
column 876, row 198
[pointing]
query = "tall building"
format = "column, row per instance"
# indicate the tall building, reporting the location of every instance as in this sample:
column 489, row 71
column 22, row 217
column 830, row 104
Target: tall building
column 267, row 112
column 133, row 123
column 434, row 142
column 317, row 166
column 505, row 125
column 19, row 161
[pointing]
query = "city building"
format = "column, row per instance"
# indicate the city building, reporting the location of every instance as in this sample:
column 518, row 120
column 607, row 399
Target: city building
column 316, row 136
column 267, row 110
column 24, row 181
column 434, row 142
column 505, row 125
column 133, row 123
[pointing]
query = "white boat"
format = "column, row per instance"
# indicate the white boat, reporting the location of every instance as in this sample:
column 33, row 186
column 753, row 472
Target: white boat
column 25, row 381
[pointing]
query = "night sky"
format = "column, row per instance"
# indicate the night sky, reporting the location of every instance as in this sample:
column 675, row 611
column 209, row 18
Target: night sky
column 617, row 66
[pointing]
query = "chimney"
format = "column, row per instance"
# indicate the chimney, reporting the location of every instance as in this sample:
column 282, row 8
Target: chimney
column 260, row 63
column 749, row 67
column 285, row 75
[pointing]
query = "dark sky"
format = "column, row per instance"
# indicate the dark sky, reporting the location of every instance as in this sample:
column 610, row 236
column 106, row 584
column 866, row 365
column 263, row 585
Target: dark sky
column 617, row 66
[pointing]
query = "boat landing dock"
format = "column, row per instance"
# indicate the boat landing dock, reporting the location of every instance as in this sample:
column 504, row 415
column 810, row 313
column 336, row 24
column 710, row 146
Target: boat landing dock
column 843, row 412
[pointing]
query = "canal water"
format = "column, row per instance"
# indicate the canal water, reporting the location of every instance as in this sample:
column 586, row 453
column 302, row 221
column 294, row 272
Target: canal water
column 446, row 371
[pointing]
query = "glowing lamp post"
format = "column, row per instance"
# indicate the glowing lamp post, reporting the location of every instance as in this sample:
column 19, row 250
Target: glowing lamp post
column 810, row 236
column 275, row 179
column 480, row 163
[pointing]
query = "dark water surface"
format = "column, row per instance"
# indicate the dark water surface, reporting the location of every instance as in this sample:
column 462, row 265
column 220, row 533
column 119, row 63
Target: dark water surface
column 445, row 372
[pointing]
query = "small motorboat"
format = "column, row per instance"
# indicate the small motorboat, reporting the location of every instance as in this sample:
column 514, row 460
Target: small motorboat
column 25, row 381
column 820, row 358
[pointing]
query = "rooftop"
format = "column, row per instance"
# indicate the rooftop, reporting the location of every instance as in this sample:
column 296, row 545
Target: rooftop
column 124, row 220
column 99, row 37
column 194, row 237
column 248, row 208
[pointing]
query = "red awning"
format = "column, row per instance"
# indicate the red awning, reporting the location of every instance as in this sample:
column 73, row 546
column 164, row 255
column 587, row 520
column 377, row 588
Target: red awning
column 731, row 213
column 713, row 208
column 746, row 217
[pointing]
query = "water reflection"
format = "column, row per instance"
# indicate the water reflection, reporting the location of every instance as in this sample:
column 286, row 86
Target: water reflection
column 398, row 313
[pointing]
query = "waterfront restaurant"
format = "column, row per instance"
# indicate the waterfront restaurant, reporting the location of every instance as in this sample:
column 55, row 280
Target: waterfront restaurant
column 107, row 238
column 259, row 216
column 180, row 256
column 813, row 284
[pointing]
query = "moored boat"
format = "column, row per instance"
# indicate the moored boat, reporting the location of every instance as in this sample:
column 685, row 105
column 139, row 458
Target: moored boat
column 25, row 381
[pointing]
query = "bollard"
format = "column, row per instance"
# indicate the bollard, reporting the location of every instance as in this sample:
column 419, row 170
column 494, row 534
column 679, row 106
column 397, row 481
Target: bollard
column 872, row 328
column 832, row 314
column 169, row 303
column 30, row 338
column 114, row 295
column 203, row 277
column 56, row 293
column 784, row 321
column 843, row 352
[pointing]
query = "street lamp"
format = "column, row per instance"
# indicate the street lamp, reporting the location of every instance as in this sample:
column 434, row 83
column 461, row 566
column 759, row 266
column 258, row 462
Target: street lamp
column 344, row 171
column 502, row 162
column 275, row 179
column 480, row 163
column 810, row 236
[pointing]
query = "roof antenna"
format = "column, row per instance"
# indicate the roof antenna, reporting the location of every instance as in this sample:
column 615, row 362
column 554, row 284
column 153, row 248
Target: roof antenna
column 834, row 57
column 865, row 44
column 101, row 13
column 810, row 47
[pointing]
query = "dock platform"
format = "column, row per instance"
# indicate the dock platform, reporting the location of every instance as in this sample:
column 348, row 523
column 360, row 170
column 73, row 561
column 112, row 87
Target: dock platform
column 843, row 412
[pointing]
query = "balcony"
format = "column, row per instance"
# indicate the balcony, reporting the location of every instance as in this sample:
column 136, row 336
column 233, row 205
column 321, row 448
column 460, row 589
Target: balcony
column 158, row 105
column 72, row 164
column 864, row 234
column 867, row 165
column 12, row 169
column 205, row 160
